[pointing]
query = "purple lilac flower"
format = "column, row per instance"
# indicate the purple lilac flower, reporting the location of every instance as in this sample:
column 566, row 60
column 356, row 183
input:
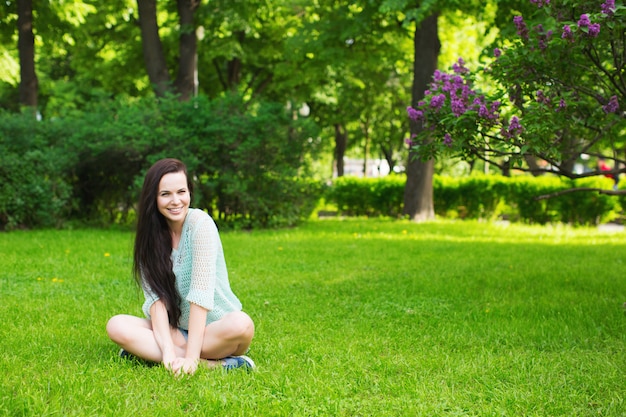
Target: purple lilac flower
column 544, row 37
column 439, row 76
column 436, row 102
column 459, row 67
column 414, row 114
column 584, row 21
column 567, row 33
column 488, row 112
column 561, row 105
column 446, row 87
column 612, row 106
column 540, row 3
column 497, row 52
column 409, row 141
column 522, row 30
column 608, row 7
column 447, row 140
column 594, row 29
column 541, row 98
column 466, row 92
column 494, row 110
column 457, row 106
column 515, row 128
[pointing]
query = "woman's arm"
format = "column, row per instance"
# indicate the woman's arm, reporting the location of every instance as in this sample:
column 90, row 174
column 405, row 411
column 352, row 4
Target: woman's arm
column 197, row 324
column 162, row 333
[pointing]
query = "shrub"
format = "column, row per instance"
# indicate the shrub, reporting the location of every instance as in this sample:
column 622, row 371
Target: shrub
column 368, row 196
column 524, row 191
column 592, row 208
column 33, row 185
column 245, row 158
column 482, row 197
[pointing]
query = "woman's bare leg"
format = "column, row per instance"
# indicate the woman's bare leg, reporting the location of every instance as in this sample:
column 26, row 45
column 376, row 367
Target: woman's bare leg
column 229, row 336
column 135, row 335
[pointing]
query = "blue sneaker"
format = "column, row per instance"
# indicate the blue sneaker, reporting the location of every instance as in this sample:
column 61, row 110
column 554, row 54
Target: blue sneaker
column 125, row 355
column 234, row 362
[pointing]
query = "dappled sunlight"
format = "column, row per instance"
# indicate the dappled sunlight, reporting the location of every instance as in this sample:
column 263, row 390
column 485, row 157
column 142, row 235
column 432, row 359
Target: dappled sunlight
column 469, row 231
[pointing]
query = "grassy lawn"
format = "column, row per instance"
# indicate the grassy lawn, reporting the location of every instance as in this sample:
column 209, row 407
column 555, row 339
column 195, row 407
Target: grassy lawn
column 354, row 318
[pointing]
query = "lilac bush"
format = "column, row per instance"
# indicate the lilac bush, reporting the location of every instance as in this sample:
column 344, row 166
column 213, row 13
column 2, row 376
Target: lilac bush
column 556, row 92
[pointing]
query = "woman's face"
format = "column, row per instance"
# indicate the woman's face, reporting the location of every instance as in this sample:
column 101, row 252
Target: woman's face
column 173, row 198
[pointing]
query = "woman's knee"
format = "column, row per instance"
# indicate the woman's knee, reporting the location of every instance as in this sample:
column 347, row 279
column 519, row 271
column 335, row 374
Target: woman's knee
column 242, row 325
column 115, row 327
column 120, row 327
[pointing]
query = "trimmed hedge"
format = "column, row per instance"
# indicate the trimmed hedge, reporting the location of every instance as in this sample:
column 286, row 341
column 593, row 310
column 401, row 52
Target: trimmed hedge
column 355, row 196
column 483, row 197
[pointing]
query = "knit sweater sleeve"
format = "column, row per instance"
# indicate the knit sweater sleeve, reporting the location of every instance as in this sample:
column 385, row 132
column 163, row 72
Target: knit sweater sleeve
column 205, row 247
column 149, row 296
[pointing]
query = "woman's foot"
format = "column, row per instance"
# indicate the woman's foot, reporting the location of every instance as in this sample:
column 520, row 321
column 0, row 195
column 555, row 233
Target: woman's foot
column 234, row 362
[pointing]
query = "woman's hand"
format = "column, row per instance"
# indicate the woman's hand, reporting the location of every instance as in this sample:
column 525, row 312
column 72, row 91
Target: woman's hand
column 185, row 366
column 168, row 360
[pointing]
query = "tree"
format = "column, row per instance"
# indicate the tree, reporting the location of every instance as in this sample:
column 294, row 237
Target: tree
column 557, row 95
column 353, row 54
column 418, row 192
column 83, row 54
column 154, row 57
column 187, row 49
column 26, row 47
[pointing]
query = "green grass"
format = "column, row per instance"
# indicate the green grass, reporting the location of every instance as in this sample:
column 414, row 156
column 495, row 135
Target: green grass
column 354, row 318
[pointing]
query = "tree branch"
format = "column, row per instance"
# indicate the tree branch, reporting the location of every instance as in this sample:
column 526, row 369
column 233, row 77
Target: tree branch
column 581, row 189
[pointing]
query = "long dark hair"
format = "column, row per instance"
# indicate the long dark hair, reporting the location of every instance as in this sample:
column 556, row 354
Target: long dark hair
column 152, row 265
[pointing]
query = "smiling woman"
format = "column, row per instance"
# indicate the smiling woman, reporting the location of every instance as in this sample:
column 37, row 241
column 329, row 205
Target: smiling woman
column 173, row 202
column 192, row 315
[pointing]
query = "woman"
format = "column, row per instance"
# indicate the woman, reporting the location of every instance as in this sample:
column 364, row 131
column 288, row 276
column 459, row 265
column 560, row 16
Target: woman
column 193, row 317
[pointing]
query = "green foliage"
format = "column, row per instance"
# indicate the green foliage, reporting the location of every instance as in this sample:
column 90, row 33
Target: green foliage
column 483, row 197
column 34, row 188
column 367, row 196
column 554, row 93
column 485, row 320
column 246, row 161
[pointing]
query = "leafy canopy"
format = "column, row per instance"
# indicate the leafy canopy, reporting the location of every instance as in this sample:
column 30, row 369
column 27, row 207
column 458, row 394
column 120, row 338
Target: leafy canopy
column 556, row 93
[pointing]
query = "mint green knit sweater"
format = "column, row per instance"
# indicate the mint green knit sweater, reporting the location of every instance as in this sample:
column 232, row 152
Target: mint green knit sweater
column 200, row 269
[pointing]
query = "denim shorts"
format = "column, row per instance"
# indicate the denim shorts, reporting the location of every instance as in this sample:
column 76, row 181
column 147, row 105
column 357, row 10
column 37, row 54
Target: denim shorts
column 185, row 333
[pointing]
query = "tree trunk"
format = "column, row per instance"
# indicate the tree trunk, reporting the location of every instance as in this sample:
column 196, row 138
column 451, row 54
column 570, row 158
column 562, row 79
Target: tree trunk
column 26, row 46
column 533, row 165
column 388, row 154
column 341, row 142
column 418, row 191
column 365, row 127
column 153, row 56
column 187, row 49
